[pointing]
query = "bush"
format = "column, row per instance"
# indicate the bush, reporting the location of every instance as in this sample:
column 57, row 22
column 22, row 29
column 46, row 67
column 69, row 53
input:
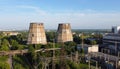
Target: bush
column 4, row 65
column 19, row 62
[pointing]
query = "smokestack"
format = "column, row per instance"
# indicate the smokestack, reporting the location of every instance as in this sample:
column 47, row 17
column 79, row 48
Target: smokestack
column 64, row 33
column 36, row 34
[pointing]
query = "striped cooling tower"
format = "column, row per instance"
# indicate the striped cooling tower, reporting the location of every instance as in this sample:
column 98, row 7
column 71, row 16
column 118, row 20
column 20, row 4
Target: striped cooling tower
column 36, row 34
column 64, row 33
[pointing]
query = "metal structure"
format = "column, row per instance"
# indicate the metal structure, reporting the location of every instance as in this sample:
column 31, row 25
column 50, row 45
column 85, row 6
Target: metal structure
column 62, row 57
column 36, row 34
column 106, row 57
column 64, row 33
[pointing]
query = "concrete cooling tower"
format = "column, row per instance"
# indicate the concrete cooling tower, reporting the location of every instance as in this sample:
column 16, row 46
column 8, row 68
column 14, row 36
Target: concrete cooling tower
column 64, row 33
column 36, row 34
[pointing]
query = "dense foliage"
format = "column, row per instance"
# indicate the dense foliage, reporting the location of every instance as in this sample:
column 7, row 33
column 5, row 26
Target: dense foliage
column 34, row 59
column 3, row 62
column 13, row 42
column 19, row 62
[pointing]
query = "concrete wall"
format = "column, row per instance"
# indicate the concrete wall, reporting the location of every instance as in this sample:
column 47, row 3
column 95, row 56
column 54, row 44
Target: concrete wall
column 93, row 48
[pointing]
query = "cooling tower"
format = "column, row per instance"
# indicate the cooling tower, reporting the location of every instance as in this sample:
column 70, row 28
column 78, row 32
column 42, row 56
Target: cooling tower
column 64, row 33
column 36, row 34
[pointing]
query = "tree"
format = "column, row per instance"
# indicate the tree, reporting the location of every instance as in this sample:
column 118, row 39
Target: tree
column 21, row 38
column 31, row 49
column 5, row 42
column 4, row 45
column 70, row 47
column 1, row 35
column 82, row 52
column 70, row 43
column 4, row 65
column 20, row 62
column 50, row 36
column 4, row 48
column 14, row 44
column 93, row 42
column 76, row 39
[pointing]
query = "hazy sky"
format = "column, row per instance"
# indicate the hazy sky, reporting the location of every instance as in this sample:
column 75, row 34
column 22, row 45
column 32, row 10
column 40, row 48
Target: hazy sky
column 82, row 14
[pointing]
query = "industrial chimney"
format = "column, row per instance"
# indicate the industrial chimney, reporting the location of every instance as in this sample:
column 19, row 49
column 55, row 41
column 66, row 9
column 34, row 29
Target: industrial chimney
column 64, row 33
column 36, row 34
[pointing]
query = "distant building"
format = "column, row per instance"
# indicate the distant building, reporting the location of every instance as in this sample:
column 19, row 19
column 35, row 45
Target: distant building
column 36, row 34
column 10, row 33
column 116, row 29
column 74, row 33
column 64, row 33
column 89, row 48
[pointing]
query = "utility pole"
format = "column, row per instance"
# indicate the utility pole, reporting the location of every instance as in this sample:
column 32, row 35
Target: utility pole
column 35, row 57
column 116, row 63
column 82, row 45
column 71, row 56
column 0, row 41
column 45, row 63
column 11, row 61
column 115, row 47
column 82, row 41
column 99, row 38
column 118, row 54
column 62, row 58
column 96, row 65
column 53, row 64
column 89, row 64
column 118, row 59
column 76, row 56
column 89, row 61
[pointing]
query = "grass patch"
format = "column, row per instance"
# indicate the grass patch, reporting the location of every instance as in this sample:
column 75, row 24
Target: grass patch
column 3, row 58
column 3, row 62
column 83, row 66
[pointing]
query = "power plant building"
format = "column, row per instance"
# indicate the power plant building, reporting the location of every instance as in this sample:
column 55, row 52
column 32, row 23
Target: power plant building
column 112, row 40
column 64, row 33
column 36, row 34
